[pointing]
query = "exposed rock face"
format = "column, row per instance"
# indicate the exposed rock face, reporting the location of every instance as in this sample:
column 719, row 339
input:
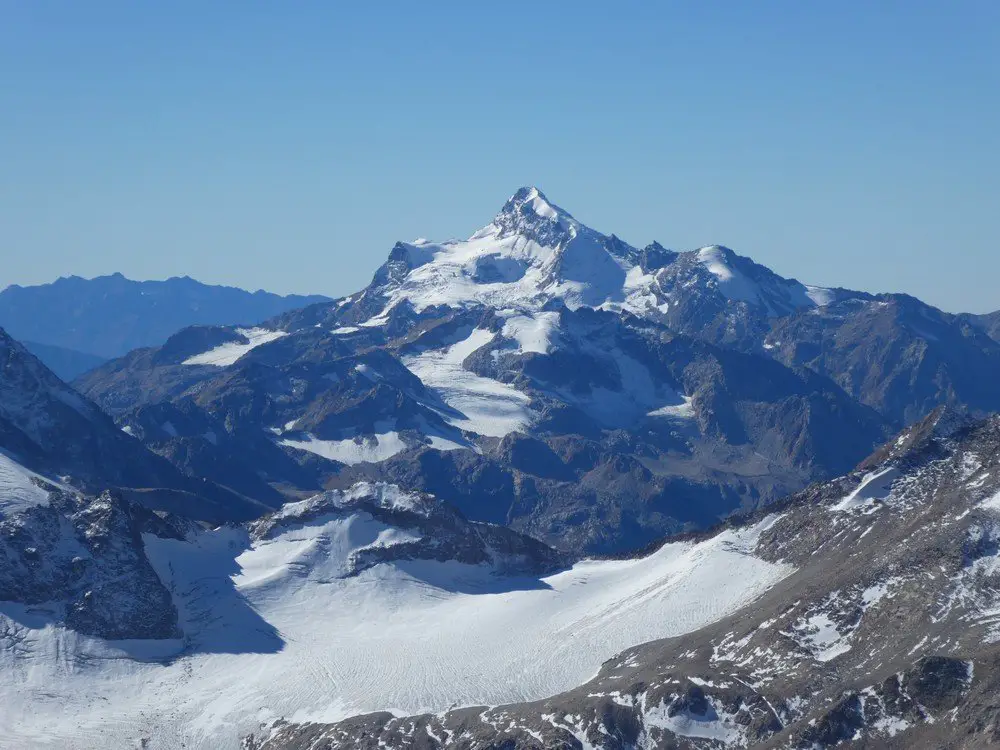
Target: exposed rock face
column 81, row 561
column 886, row 636
column 203, row 447
column 895, row 354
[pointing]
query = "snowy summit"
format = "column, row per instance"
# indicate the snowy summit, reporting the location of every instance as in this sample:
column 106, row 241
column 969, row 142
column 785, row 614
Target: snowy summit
column 534, row 253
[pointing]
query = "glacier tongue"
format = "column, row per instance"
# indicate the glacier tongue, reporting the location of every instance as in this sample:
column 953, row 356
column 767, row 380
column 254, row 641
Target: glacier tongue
column 274, row 629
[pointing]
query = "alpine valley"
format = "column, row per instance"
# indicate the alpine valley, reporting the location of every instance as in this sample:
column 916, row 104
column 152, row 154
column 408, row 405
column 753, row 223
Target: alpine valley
column 533, row 489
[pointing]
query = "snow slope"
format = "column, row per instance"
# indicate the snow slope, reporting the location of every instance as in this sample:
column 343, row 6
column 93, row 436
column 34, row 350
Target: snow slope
column 532, row 252
column 487, row 406
column 272, row 629
column 19, row 487
column 227, row 354
column 351, row 451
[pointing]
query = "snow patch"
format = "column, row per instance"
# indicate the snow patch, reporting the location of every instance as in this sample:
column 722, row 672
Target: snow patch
column 351, row 451
column 715, row 724
column 819, row 635
column 874, row 486
column 683, row 410
column 19, row 486
column 991, row 503
column 533, row 333
column 484, row 406
column 229, row 353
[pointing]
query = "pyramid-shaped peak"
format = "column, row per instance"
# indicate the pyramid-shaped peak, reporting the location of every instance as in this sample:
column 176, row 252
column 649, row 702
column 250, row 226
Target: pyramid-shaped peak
column 531, row 202
column 529, row 213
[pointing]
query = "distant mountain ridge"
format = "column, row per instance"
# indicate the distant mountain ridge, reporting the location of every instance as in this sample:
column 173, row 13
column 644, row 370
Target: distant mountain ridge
column 108, row 316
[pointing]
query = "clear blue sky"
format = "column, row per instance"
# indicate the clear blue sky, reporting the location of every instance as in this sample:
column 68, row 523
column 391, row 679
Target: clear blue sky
column 288, row 145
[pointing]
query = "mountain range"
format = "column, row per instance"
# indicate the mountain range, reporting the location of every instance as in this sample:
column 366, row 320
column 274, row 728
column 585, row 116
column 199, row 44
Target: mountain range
column 557, row 380
column 533, row 489
column 74, row 324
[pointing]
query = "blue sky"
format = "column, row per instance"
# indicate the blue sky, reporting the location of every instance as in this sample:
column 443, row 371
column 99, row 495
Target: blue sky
column 288, row 145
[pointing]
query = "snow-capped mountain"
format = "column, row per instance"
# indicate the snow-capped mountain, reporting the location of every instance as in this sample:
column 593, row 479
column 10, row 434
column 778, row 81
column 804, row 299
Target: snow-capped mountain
column 532, row 254
column 529, row 374
column 882, row 632
column 535, row 255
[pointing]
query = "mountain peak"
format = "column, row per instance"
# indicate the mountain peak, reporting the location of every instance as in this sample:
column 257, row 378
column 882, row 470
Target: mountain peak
column 528, row 212
column 531, row 199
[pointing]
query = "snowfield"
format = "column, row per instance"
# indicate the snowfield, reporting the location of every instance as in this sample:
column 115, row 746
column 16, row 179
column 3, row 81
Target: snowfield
column 273, row 629
column 351, row 451
column 487, row 406
column 227, row 354
column 19, row 486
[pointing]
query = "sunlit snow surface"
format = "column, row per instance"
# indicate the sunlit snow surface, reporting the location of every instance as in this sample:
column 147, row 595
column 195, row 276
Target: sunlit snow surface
column 19, row 487
column 535, row 252
column 227, row 354
column 874, row 486
column 279, row 633
column 484, row 406
column 735, row 285
column 351, row 451
column 510, row 269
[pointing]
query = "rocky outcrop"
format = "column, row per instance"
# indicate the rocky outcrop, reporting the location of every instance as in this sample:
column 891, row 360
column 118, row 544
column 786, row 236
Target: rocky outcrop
column 82, row 561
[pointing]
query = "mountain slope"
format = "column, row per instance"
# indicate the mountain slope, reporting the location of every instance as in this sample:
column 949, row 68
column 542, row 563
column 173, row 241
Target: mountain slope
column 989, row 322
column 109, row 316
column 886, row 634
column 895, row 354
column 78, row 562
column 49, row 428
column 616, row 418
